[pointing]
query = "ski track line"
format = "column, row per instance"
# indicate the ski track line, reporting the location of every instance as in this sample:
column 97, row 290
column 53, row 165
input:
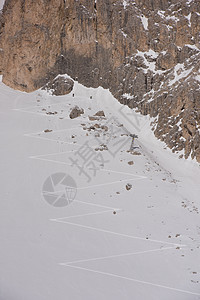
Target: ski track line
column 41, row 103
column 100, row 184
column 115, row 256
column 57, row 220
column 93, row 204
column 117, row 233
column 58, row 140
column 135, row 280
column 51, row 154
column 84, row 215
column 62, row 220
column 53, row 131
column 136, row 177
column 110, row 183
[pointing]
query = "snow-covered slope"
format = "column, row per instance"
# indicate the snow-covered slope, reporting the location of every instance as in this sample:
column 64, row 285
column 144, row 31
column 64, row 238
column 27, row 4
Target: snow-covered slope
column 111, row 242
column 1, row 4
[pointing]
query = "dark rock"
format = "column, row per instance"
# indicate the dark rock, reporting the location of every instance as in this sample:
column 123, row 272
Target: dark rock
column 76, row 112
column 100, row 113
column 108, row 45
column 59, row 86
column 128, row 186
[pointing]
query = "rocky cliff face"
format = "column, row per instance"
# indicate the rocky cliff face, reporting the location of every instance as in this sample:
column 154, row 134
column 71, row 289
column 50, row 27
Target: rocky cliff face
column 145, row 51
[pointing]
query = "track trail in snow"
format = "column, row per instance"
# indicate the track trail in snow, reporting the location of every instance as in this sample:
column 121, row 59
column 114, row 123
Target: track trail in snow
column 96, row 220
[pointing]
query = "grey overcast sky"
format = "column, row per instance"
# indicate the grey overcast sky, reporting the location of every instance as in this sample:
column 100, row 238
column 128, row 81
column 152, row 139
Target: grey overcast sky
column 1, row 4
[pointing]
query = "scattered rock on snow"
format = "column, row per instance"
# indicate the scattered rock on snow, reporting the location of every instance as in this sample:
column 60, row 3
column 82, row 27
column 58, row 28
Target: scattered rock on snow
column 93, row 118
column 102, row 147
column 134, row 152
column 47, row 130
column 130, row 162
column 100, row 113
column 104, row 127
column 76, row 112
column 128, row 186
column 51, row 113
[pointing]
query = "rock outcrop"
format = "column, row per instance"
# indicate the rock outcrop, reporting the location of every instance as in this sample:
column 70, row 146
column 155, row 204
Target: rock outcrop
column 146, row 52
column 59, row 86
column 76, row 112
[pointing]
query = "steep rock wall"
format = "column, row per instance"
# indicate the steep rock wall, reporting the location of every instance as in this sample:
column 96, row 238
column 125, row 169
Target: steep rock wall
column 146, row 52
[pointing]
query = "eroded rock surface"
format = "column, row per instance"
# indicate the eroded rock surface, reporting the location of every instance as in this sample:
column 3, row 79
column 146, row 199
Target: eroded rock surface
column 76, row 112
column 146, row 52
column 59, row 86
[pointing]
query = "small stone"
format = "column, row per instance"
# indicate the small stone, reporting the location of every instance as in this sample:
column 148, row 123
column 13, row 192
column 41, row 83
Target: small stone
column 93, row 118
column 131, row 163
column 104, row 127
column 135, row 153
column 128, row 186
column 51, row 113
column 100, row 113
column 76, row 112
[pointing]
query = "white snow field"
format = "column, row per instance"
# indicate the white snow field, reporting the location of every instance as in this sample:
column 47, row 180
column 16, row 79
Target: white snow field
column 1, row 3
column 110, row 243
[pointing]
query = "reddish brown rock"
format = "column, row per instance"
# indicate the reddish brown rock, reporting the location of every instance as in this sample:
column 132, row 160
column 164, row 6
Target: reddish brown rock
column 146, row 49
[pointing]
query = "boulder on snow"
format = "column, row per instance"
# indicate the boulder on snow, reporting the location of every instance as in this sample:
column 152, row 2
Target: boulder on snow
column 100, row 113
column 128, row 186
column 76, row 112
column 59, row 86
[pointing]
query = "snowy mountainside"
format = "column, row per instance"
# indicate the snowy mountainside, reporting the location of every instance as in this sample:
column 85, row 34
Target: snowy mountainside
column 132, row 229
column 145, row 52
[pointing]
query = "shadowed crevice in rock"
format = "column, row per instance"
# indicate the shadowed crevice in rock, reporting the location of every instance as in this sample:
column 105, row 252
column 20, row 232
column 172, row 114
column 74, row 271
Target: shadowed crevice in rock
column 146, row 52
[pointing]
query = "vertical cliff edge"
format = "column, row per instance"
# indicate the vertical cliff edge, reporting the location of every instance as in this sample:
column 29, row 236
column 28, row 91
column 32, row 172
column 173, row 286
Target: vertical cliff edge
column 146, row 52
